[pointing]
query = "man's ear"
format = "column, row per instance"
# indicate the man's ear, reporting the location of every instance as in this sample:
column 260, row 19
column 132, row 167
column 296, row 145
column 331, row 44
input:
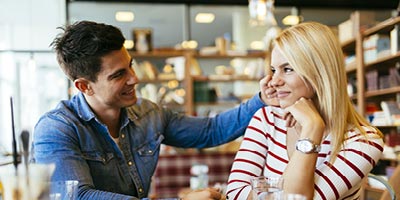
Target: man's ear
column 83, row 85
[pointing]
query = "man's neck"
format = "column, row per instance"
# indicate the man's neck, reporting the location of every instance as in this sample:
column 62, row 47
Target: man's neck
column 108, row 116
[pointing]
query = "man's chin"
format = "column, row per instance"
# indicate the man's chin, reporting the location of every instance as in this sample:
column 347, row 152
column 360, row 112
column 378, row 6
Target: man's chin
column 131, row 102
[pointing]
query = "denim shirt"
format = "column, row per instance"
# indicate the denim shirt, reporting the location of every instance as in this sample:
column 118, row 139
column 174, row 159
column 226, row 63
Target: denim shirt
column 71, row 137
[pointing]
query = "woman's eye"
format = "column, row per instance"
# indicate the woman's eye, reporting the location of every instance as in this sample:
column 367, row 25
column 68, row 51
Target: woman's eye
column 273, row 71
column 288, row 69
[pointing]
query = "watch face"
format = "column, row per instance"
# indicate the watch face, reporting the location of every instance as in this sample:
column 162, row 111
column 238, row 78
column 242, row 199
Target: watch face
column 305, row 146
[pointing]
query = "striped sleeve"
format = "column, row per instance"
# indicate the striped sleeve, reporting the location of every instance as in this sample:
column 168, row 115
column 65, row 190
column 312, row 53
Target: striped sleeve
column 250, row 158
column 342, row 179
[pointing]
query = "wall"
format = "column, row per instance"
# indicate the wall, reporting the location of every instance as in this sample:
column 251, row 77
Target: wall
column 28, row 69
column 28, row 24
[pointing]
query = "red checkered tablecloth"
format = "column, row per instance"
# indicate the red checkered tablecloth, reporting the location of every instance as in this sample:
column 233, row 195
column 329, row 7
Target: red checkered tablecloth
column 173, row 171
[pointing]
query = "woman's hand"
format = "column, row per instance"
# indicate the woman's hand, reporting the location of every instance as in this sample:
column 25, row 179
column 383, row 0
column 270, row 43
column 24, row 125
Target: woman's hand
column 268, row 93
column 205, row 194
column 306, row 114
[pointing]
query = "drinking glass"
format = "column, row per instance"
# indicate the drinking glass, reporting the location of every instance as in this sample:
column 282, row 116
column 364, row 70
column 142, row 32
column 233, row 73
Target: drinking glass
column 25, row 184
column 266, row 188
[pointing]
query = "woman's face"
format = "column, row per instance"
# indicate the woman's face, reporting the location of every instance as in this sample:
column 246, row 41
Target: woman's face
column 288, row 84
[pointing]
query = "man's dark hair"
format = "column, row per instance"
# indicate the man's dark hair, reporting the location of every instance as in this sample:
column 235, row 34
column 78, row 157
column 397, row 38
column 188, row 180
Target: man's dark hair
column 82, row 45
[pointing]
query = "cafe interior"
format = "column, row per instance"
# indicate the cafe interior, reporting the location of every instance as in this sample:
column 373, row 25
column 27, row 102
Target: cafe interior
column 218, row 51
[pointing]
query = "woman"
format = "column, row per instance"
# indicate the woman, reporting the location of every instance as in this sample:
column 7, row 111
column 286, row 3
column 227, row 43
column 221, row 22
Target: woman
column 331, row 148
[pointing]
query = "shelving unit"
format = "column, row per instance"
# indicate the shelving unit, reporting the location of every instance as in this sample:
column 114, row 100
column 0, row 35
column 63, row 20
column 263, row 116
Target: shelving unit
column 188, row 83
column 360, row 68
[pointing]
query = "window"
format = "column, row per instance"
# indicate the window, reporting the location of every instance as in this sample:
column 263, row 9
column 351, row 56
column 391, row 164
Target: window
column 36, row 84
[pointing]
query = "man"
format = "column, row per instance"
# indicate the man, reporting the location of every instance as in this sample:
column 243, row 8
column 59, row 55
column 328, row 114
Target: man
column 105, row 137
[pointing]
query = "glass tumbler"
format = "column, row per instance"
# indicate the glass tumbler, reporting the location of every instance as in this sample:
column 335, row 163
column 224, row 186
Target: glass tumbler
column 266, row 188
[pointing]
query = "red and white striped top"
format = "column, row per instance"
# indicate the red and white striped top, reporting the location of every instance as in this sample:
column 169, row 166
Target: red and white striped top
column 264, row 152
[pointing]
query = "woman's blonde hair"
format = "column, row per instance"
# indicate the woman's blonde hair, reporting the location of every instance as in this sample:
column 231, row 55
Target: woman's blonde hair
column 315, row 54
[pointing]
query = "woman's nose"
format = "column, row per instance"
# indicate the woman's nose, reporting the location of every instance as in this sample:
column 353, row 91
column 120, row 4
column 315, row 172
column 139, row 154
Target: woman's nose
column 276, row 80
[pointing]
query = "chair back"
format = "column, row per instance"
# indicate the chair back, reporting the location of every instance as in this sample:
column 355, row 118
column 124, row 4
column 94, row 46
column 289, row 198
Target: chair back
column 394, row 182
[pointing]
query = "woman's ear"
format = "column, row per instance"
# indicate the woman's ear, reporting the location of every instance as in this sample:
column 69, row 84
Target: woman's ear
column 83, row 85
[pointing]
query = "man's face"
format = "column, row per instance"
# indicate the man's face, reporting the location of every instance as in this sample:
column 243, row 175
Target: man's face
column 115, row 85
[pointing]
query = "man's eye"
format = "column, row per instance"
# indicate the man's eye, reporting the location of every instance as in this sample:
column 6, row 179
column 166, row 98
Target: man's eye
column 117, row 75
column 273, row 71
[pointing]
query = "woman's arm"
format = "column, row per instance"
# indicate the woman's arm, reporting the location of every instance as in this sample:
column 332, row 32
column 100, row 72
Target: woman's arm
column 250, row 158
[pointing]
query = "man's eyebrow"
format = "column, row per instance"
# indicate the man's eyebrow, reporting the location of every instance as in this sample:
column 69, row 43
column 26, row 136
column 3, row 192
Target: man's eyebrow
column 111, row 76
column 281, row 65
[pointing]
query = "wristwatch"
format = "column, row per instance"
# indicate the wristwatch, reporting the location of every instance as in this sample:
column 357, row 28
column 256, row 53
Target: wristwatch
column 307, row 146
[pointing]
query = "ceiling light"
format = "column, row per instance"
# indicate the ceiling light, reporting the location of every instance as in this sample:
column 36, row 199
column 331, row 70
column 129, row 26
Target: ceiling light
column 292, row 19
column 262, row 13
column 124, row 16
column 205, row 17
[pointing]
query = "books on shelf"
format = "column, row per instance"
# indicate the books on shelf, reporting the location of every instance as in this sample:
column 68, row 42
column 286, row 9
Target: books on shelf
column 348, row 29
column 372, row 78
column 394, row 76
column 376, row 46
column 391, row 111
column 376, row 79
column 395, row 40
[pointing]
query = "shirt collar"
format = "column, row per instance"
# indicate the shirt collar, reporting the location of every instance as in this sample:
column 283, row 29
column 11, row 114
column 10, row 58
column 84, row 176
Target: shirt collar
column 85, row 112
column 83, row 109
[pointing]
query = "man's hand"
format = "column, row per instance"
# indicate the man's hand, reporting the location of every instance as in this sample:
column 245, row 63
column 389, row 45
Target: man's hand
column 268, row 93
column 205, row 194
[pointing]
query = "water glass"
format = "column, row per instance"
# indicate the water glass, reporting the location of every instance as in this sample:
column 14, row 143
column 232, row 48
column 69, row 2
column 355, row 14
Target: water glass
column 32, row 184
column 64, row 190
column 266, row 188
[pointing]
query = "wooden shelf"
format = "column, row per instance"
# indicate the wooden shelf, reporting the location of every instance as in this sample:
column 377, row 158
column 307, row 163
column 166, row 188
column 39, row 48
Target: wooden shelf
column 157, row 80
column 360, row 68
column 222, row 79
column 157, row 54
column 388, row 61
column 218, row 103
column 352, row 67
column 349, row 45
column 380, row 92
column 383, row 27
column 188, row 82
column 226, row 56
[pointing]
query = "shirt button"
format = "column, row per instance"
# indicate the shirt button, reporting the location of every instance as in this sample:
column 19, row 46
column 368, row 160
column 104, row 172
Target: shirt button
column 130, row 163
column 140, row 190
column 123, row 136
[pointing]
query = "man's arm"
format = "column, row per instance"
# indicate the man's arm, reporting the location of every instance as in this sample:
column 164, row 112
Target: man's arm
column 55, row 142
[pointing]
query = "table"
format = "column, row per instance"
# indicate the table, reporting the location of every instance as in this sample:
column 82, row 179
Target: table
column 173, row 171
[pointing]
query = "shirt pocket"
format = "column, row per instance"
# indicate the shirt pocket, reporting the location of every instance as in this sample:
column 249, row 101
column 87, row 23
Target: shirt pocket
column 150, row 149
column 98, row 157
column 104, row 169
